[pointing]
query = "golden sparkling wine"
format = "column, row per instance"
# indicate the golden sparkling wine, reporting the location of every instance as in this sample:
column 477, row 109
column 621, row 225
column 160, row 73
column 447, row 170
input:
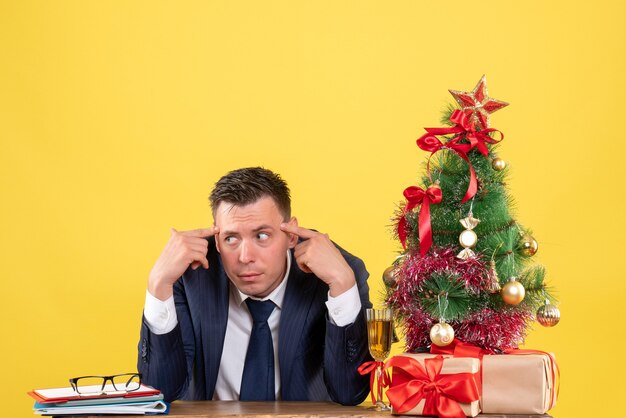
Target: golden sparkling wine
column 379, row 336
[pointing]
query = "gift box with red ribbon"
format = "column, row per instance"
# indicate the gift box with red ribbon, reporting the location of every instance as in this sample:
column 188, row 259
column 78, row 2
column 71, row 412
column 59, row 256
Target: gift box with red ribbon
column 520, row 381
column 427, row 384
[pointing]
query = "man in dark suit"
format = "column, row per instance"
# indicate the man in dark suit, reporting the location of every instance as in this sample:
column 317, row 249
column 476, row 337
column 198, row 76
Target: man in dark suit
column 201, row 334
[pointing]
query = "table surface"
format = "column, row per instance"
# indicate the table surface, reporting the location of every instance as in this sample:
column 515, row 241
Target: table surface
column 232, row 409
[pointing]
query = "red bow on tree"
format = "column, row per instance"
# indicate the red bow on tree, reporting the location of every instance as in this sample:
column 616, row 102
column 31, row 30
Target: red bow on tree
column 462, row 129
column 477, row 139
column 431, row 143
column 441, row 392
column 416, row 196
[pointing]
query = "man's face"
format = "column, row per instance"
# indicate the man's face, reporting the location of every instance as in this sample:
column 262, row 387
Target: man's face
column 252, row 246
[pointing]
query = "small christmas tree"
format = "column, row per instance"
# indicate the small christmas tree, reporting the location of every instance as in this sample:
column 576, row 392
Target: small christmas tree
column 466, row 270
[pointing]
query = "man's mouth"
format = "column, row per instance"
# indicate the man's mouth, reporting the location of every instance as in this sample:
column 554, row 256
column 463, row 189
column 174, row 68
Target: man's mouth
column 249, row 275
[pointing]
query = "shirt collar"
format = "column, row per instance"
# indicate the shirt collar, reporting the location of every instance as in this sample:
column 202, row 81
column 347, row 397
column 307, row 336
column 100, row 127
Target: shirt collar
column 277, row 294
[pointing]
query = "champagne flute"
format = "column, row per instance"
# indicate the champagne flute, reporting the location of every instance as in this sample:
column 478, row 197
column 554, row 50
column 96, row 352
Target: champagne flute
column 379, row 335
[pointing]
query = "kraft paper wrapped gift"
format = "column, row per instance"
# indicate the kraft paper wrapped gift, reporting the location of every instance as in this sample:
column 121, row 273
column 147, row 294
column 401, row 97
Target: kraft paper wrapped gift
column 518, row 384
column 451, row 366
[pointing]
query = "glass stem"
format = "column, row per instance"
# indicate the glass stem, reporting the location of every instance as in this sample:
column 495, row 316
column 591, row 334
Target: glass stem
column 379, row 385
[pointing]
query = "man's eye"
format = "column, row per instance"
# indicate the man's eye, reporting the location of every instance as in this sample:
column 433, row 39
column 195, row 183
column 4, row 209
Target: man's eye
column 230, row 240
column 263, row 236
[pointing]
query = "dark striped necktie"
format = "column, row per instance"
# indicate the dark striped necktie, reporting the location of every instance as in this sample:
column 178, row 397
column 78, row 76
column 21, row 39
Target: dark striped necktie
column 257, row 381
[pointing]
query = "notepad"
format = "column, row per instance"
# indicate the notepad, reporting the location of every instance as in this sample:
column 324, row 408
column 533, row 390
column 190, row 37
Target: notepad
column 57, row 395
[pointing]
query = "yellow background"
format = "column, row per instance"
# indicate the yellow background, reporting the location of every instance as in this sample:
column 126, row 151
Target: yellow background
column 117, row 117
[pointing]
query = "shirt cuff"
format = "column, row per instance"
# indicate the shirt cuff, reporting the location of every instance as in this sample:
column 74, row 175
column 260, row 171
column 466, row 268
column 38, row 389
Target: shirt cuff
column 344, row 308
column 160, row 315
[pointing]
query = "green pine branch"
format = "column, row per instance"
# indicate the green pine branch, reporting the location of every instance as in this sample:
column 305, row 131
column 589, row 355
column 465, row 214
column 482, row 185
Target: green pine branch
column 445, row 296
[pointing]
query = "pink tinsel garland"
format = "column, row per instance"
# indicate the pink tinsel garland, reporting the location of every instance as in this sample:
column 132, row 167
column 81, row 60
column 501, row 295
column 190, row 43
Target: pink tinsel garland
column 488, row 328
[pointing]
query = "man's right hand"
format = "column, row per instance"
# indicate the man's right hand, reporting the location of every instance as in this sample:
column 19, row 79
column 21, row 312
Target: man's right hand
column 184, row 249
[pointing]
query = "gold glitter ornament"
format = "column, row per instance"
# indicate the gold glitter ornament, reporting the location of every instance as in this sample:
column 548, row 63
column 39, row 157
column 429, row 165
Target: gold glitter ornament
column 498, row 164
column 513, row 292
column 468, row 238
column 548, row 315
column 493, row 283
column 390, row 276
column 528, row 245
column 442, row 334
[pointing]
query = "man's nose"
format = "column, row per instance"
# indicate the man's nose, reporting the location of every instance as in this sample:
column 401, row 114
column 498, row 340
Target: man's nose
column 246, row 253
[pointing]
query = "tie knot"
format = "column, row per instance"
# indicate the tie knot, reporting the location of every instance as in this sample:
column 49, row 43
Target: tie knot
column 260, row 309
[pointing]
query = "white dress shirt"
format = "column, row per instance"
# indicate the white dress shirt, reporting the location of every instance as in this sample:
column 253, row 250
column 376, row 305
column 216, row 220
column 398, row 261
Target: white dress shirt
column 161, row 319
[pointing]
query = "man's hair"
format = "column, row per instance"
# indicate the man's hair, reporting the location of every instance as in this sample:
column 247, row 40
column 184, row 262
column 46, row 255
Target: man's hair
column 244, row 186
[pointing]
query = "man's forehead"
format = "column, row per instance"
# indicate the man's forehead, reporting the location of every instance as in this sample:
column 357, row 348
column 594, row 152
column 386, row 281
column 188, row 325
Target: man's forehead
column 263, row 210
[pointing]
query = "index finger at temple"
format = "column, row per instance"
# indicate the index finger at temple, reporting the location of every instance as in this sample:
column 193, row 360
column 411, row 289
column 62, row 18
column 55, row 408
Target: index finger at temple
column 298, row 230
column 202, row 232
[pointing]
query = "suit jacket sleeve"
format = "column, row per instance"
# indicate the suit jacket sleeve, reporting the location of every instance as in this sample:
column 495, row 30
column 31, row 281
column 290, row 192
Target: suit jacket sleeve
column 165, row 361
column 346, row 347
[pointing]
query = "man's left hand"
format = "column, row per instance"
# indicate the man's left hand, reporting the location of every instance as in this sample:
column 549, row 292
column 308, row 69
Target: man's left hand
column 318, row 255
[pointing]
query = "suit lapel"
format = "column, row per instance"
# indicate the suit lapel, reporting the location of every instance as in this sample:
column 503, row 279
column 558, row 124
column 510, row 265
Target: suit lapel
column 214, row 318
column 298, row 297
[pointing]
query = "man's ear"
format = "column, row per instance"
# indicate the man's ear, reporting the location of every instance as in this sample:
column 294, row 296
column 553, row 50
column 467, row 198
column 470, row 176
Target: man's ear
column 293, row 238
column 217, row 241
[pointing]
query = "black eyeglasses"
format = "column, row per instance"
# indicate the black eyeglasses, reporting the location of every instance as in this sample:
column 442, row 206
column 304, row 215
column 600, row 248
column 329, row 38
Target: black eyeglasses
column 97, row 385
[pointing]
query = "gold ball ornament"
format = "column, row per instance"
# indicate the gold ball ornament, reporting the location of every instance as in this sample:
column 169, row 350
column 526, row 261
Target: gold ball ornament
column 498, row 164
column 513, row 292
column 390, row 276
column 442, row 334
column 528, row 245
column 548, row 315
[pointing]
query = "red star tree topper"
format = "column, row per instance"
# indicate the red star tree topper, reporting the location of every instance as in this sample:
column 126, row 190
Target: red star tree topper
column 476, row 104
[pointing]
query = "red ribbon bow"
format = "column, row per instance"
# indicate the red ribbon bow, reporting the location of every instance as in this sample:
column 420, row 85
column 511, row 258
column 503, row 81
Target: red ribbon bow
column 441, row 392
column 462, row 129
column 460, row 348
column 384, row 380
column 431, row 143
column 416, row 196
column 467, row 130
